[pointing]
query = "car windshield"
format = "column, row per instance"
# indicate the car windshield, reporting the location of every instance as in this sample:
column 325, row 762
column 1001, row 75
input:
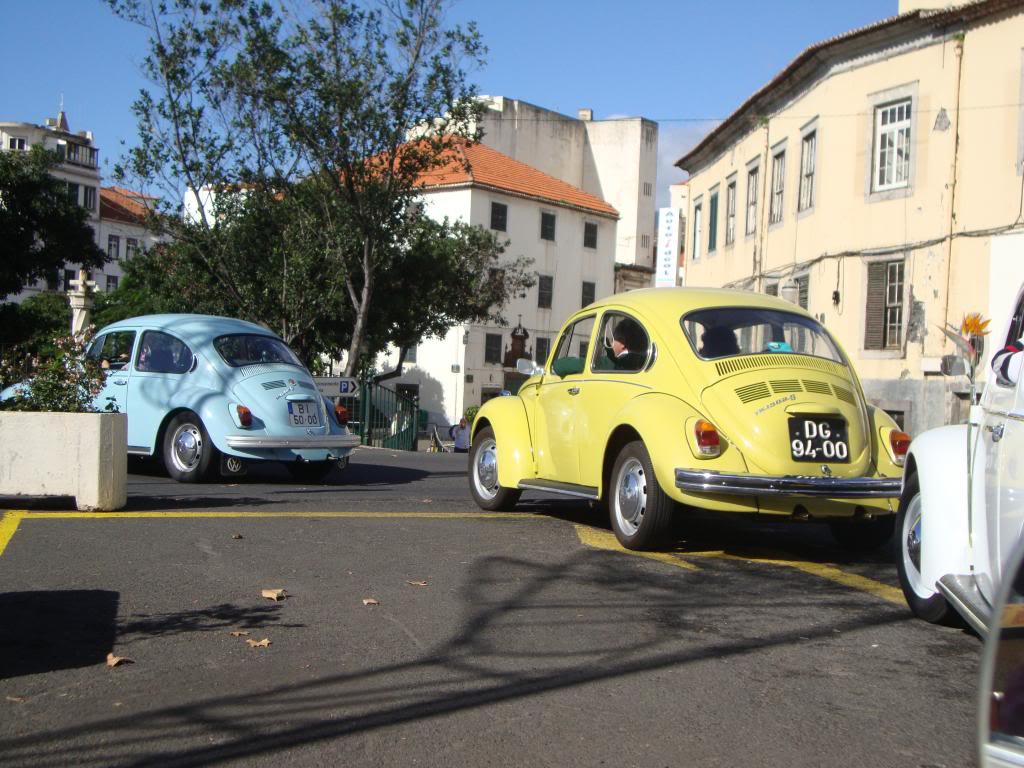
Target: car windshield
column 253, row 349
column 729, row 331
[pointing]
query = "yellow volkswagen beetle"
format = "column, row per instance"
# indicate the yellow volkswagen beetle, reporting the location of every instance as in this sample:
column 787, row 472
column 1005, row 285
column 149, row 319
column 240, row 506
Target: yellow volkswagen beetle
column 724, row 400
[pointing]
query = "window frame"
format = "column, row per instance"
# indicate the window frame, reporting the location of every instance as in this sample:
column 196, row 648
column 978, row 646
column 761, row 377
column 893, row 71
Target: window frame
column 698, row 210
column 713, row 195
column 730, row 210
column 541, row 292
column 583, row 293
column 142, row 343
column 777, row 199
column 889, row 124
column 750, row 204
column 590, row 227
column 883, row 304
column 503, row 207
column 649, row 352
column 114, row 240
column 487, row 339
column 875, row 101
column 808, row 170
column 548, row 216
column 131, row 248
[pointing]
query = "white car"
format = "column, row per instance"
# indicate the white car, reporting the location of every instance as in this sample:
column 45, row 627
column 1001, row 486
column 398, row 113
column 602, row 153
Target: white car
column 962, row 505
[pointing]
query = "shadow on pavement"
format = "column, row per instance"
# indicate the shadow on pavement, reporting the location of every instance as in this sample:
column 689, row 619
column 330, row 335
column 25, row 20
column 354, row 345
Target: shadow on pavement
column 49, row 630
column 216, row 617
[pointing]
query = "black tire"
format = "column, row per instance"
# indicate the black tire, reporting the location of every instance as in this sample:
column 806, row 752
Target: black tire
column 863, row 536
column 925, row 603
column 483, row 475
column 194, row 457
column 310, row 472
column 639, row 510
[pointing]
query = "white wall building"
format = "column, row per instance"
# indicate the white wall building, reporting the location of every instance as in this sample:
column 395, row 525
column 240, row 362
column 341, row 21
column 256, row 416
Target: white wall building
column 571, row 236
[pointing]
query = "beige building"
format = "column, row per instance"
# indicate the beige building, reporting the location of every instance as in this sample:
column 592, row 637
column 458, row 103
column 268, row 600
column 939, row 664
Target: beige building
column 878, row 181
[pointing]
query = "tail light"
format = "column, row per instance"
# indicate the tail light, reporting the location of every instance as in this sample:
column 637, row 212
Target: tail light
column 341, row 414
column 900, row 444
column 708, row 442
column 244, row 415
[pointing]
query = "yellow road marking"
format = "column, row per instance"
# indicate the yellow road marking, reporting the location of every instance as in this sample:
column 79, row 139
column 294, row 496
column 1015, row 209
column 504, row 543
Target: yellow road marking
column 8, row 525
column 606, row 540
column 242, row 515
column 599, row 539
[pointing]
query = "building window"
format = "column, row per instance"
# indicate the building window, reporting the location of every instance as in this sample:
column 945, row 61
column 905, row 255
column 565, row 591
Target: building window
column 16, row 142
column 772, row 289
column 587, row 294
column 69, row 275
column 697, row 211
column 113, row 246
column 543, row 349
column 73, row 192
column 648, row 189
column 589, row 234
column 752, row 175
column 499, row 217
column 547, row 226
column 730, row 213
column 883, row 321
column 807, row 150
column 713, row 222
column 111, row 283
column 131, row 248
column 492, row 348
column 803, row 284
column 645, row 241
column 545, row 286
column 778, row 187
column 90, row 198
column 892, row 146
column 410, row 354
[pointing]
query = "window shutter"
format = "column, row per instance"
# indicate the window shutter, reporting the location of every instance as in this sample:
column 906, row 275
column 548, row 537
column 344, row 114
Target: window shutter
column 874, row 310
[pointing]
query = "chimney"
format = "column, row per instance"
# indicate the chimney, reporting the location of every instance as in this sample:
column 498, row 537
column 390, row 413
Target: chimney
column 585, row 114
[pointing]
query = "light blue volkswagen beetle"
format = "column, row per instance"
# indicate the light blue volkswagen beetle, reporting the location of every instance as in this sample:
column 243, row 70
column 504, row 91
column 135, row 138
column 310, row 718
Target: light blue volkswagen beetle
column 211, row 393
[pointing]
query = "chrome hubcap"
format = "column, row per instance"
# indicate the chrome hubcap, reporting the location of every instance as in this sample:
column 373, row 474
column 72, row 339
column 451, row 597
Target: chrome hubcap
column 187, row 447
column 911, row 546
column 631, row 496
column 485, row 469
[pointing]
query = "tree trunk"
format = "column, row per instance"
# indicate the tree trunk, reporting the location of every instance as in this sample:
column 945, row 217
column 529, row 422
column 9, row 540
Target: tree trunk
column 362, row 312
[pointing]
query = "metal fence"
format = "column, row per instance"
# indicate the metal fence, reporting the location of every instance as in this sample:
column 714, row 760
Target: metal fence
column 383, row 418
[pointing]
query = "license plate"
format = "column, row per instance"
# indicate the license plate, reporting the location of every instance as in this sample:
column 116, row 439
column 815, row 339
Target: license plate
column 813, row 438
column 303, row 415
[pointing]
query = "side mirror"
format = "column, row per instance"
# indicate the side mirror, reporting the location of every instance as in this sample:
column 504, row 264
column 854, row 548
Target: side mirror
column 953, row 365
column 1001, row 698
column 527, row 367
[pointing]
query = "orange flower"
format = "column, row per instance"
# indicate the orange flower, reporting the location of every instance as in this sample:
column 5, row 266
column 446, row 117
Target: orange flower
column 974, row 325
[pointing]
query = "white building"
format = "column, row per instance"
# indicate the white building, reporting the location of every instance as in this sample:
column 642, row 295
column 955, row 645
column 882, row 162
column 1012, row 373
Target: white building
column 117, row 216
column 614, row 160
column 571, row 236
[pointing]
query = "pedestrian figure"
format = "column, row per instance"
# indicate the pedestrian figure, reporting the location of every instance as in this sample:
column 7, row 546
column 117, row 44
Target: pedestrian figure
column 460, row 434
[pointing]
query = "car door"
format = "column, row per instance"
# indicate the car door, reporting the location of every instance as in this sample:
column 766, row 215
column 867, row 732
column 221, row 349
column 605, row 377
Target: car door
column 113, row 352
column 1003, row 435
column 557, row 404
column 160, row 367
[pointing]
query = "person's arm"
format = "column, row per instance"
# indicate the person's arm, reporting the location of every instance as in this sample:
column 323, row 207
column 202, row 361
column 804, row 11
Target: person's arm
column 1008, row 361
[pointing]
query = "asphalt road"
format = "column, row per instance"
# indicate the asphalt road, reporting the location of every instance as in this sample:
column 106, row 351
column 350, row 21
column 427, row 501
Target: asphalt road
column 521, row 639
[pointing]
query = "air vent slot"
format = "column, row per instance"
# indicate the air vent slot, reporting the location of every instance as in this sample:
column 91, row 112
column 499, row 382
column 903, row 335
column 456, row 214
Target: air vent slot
column 749, row 362
column 844, row 394
column 753, row 392
column 273, row 384
column 787, row 385
column 817, row 387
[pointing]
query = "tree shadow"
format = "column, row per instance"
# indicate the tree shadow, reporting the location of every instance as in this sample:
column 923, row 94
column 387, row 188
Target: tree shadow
column 49, row 630
column 212, row 619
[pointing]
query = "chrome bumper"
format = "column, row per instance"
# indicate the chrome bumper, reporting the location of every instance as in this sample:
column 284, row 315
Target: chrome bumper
column 244, row 442
column 708, row 481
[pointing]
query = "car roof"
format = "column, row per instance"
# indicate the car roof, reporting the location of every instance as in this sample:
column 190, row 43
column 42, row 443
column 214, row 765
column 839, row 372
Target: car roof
column 191, row 328
column 667, row 305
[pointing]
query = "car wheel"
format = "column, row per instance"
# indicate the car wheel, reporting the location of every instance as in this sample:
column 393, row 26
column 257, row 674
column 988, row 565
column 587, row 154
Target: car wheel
column 188, row 452
column 640, row 511
column 862, row 535
column 924, row 601
column 310, row 471
column 483, row 474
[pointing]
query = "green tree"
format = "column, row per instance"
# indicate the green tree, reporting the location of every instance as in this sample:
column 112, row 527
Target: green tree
column 41, row 229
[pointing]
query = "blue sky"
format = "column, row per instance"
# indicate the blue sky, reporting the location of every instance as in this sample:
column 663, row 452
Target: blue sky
column 685, row 63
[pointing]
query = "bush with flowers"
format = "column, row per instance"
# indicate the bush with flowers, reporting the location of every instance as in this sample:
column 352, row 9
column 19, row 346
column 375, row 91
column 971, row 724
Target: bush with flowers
column 56, row 377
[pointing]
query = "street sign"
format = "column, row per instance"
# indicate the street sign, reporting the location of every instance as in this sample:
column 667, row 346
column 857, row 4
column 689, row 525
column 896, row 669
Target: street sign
column 667, row 265
column 333, row 386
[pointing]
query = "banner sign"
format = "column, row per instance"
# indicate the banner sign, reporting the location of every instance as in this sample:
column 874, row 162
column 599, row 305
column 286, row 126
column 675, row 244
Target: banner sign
column 667, row 266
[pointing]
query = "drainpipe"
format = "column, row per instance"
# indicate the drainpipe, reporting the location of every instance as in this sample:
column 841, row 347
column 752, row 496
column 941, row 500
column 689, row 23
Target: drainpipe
column 761, row 225
column 959, row 53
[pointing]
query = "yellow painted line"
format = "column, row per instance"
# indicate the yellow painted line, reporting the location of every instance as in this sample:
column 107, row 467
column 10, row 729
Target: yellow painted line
column 607, row 540
column 242, row 515
column 592, row 537
column 8, row 525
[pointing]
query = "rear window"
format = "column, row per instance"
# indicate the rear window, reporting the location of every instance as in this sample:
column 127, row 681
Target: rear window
column 252, row 349
column 731, row 331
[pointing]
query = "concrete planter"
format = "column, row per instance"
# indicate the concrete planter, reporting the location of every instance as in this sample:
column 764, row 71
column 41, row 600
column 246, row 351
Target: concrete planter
column 66, row 454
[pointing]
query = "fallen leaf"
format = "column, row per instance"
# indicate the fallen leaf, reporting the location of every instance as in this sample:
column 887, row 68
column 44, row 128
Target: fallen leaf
column 426, row 501
column 15, row 699
column 370, row 601
column 239, row 633
column 416, row 583
column 264, row 643
column 237, row 536
column 113, row 661
column 118, row 704
column 274, row 594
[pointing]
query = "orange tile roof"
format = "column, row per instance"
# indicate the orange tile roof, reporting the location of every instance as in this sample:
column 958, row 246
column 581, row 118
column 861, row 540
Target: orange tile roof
column 119, row 204
column 481, row 166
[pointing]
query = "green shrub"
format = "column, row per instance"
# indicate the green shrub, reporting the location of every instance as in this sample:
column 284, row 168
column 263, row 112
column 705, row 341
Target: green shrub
column 58, row 379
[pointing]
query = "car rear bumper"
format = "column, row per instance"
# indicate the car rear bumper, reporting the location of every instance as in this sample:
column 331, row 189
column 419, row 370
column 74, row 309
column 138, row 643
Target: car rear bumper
column 709, row 481
column 298, row 442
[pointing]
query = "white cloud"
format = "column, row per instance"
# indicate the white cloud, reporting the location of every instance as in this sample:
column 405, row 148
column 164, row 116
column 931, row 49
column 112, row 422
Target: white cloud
column 674, row 141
